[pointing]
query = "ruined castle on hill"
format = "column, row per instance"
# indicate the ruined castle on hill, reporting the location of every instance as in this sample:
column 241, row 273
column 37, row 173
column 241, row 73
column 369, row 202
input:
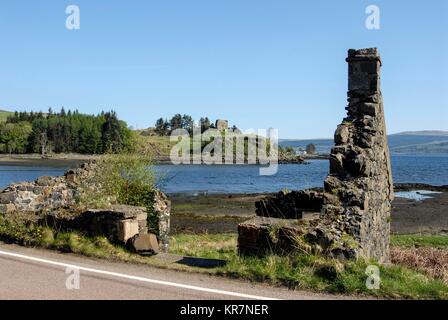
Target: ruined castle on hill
column 223, row 125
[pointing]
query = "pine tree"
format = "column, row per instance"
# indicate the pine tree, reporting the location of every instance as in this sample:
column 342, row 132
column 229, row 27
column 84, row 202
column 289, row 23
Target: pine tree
column 176, row 122
column 160, row 127
column 187, row 123
column 205, row 124
column 111, row 137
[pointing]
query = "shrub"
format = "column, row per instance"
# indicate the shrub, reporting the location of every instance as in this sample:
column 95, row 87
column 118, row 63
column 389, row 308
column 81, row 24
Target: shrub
column 124, row 178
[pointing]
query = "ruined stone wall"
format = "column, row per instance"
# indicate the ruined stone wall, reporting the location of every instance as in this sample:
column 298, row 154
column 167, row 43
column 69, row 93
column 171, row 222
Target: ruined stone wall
column 118, row 223
column 45, row 193
column 162, row 206
column 289, row 204
column 355, row 216
column 55, row 199
column 359, row 189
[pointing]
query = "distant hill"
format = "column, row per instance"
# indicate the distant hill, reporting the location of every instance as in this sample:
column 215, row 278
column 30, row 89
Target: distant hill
column 434, row 141
column 419, row 142
column 427, row 148
column 422, row 133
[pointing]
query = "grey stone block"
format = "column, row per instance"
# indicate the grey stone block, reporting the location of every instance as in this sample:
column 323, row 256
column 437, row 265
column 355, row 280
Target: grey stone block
column 144, row 243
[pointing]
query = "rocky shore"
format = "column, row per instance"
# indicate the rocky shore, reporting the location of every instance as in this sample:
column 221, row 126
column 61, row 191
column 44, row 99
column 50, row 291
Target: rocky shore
column 419, row 186
column 72, row 160
column 36, row 160
column 220, row 213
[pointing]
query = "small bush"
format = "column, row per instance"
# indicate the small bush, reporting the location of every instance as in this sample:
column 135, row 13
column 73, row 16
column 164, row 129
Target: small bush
column 16, row 230
column 124, row 178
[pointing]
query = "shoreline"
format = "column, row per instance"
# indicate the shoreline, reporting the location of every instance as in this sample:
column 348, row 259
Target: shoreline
column 36, row 160
column 221, row 213
column 72, row 159
column 398, row 187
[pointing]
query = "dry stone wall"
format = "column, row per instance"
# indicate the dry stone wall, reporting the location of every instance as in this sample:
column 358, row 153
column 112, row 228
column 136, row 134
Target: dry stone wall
column 289, row 205
column 359, row 188
column 356, row 203
column 45, row 193
column 119, row 223
column 54, row 200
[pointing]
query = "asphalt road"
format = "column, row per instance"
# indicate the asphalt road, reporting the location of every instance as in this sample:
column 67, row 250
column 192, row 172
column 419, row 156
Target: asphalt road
column 27, row 273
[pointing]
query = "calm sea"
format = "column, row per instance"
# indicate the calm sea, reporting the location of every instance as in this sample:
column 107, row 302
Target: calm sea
column 246, row 179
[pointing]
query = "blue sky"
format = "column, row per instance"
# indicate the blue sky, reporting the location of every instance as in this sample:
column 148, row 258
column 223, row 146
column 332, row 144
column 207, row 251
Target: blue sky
column 258, row 63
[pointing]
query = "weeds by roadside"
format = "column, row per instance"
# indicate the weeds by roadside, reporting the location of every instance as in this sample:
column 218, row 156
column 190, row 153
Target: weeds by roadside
column 433, row 261
column 428, row 253
column 312, row 272
column 30, row 234
column 305, row 271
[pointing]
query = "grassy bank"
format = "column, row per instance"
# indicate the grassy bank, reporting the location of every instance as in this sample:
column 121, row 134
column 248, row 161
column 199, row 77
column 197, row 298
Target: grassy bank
column 415, row 241
column 310, row 272
column 160, row 147
column 4, row 115
column 28, row 234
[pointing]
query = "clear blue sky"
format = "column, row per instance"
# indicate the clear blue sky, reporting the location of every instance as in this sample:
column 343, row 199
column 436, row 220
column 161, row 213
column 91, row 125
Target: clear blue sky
column 258, row 63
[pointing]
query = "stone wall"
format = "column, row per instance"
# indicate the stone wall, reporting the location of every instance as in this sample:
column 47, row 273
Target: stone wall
column 119, row 223
column 355, row 215
column 45, row 193
column 162, row 206
column 54, row 200
column 289, row 205
column 359, row 189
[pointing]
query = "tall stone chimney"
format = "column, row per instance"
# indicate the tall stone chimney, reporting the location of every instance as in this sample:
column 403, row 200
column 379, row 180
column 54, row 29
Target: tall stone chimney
column 356, row 202
column 359, row 190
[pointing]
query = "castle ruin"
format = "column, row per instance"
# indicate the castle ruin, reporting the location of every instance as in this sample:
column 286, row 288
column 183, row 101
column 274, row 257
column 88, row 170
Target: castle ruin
column 222, row 125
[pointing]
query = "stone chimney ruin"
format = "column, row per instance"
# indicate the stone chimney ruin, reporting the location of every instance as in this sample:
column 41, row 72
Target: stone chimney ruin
column 354, row 219
column 359, row 190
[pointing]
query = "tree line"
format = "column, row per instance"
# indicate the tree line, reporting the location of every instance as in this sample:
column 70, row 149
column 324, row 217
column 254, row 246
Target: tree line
column 63, row 132
column 164, row 127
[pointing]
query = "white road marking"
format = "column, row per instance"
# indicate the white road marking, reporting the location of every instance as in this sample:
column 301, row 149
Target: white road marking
column 136, row 278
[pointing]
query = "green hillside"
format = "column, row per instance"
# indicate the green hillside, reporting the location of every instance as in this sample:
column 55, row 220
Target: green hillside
column 4, row 114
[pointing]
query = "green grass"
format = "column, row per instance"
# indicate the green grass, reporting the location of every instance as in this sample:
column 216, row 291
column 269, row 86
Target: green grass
column 31, row 235
column 409, row 241
column 158, row 146
column 4, row 115
column 310, row 272
column 17, row 231
column 161, row 146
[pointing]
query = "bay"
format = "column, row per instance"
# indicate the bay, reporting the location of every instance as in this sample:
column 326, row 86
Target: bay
column 202, row 179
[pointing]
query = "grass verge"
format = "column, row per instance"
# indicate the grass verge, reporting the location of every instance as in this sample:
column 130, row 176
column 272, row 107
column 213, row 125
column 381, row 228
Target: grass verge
column 310, row 272
column 29, row 234
column 415, row 241
column 313, row 272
